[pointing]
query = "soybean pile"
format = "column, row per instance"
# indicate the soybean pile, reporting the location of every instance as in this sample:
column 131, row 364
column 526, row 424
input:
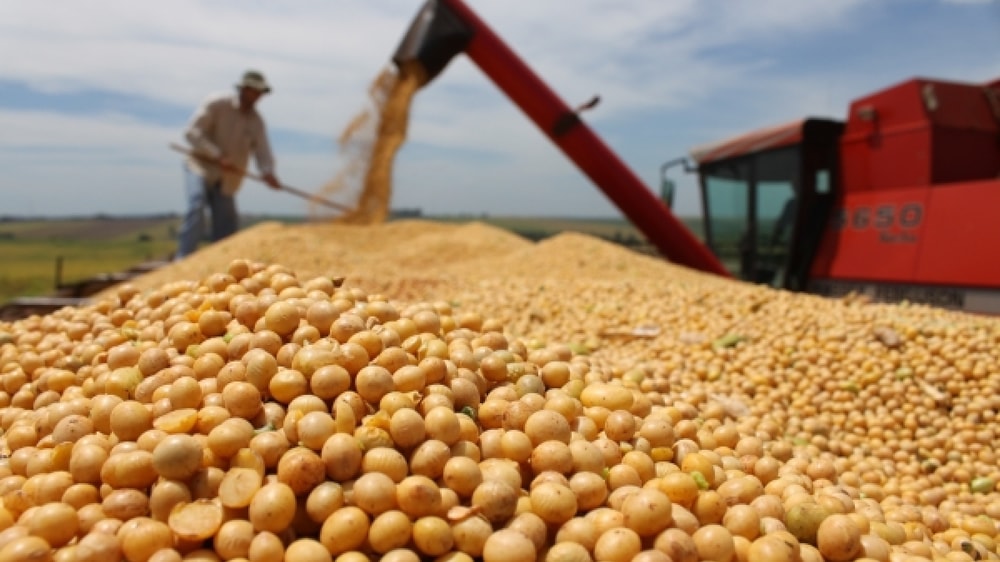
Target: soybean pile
column 430, row 391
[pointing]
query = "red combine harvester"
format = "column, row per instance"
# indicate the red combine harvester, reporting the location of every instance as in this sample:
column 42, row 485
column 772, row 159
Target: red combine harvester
column 896, row 203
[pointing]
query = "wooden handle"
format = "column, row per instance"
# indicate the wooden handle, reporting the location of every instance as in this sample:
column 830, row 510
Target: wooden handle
column 251, row 175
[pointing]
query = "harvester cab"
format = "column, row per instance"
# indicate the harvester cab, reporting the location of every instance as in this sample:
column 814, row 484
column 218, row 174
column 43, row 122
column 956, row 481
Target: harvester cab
column 765, row 196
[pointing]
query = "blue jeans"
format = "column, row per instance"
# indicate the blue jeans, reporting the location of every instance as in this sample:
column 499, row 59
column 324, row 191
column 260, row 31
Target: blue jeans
column 200, row 195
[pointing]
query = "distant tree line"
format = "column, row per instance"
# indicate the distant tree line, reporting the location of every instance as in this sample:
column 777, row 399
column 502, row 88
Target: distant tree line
column 97, row 216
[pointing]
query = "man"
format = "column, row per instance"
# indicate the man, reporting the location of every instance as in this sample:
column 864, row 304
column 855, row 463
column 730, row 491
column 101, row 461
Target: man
column 225, row 130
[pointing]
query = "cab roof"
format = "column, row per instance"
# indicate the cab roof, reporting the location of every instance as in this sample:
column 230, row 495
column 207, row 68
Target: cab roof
column 755, row 141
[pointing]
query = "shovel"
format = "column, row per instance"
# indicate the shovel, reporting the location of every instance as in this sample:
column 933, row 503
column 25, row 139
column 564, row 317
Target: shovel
column 245, row 173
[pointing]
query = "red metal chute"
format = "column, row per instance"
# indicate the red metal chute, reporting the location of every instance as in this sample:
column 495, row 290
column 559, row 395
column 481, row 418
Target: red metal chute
column 444, row 28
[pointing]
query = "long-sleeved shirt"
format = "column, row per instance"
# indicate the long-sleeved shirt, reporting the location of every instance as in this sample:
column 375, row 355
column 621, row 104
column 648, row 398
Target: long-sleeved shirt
column 220, row 130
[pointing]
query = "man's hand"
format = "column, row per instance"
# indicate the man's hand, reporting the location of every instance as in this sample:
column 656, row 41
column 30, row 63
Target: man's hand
column 272, row 181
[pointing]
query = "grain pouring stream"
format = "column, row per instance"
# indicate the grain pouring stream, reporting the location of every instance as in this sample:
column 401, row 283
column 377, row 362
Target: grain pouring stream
column 369, row 144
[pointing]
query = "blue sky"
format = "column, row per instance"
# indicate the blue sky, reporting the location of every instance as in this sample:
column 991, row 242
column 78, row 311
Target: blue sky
column 91, row 93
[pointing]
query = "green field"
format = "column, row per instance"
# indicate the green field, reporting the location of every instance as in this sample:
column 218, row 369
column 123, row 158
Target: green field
column 30, row 249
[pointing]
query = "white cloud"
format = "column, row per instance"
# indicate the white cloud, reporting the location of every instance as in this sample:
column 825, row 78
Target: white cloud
column 321, row 55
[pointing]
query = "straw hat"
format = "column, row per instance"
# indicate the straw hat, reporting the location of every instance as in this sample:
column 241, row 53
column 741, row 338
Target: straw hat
column 254, row 79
